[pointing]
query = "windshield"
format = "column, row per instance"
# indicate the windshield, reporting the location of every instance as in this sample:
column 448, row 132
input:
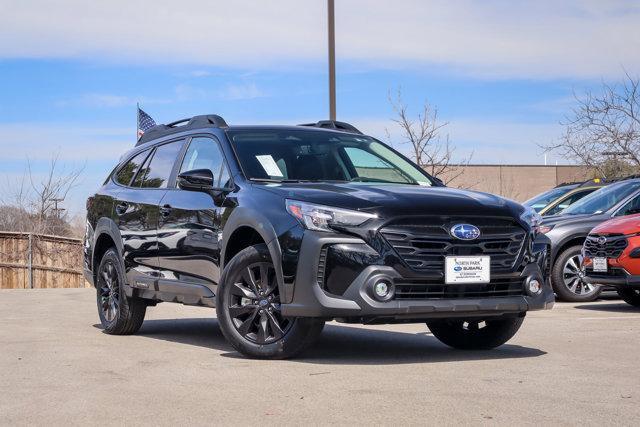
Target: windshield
column 603, row 199
column 540, row 201
column 308, row 156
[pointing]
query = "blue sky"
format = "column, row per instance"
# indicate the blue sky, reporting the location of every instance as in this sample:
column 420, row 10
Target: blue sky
column 501, row 73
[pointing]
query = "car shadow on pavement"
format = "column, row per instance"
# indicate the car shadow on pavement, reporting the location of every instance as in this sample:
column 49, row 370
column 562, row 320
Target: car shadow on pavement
column 621, row 307
column 338, row 344
column 349, row 345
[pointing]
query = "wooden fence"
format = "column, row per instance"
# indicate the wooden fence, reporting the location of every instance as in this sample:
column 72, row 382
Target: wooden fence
column 29, row 261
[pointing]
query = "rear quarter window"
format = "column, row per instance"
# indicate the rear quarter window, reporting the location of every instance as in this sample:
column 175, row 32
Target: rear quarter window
column 126, row 173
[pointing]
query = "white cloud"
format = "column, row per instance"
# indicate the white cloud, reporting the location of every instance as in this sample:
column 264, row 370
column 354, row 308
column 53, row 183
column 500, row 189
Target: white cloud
column 39, row 141
column 544, row 39
column 106, row 100
column 99, row 100
column 200, row 73
column 229, row 92
column 242, row 91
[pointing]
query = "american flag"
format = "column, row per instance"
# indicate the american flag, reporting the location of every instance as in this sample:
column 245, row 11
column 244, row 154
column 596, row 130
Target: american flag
column 145, row 122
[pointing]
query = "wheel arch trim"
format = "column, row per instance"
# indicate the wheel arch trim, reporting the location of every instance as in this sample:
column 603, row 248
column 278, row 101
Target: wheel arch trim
column 245, row 217
column 561, row 246
column 105, row 227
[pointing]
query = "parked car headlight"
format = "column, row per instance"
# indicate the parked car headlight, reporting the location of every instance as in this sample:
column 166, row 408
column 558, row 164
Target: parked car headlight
column 544, row 229
column 324, row 218
column 531, row 217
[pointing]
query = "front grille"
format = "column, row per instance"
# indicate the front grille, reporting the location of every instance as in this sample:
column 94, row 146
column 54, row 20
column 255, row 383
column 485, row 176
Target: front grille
column 417, row 290
column 612, row 247
column 423, row 244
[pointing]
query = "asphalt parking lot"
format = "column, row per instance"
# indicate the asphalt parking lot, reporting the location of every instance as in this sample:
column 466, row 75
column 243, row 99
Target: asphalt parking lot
column 576, row 364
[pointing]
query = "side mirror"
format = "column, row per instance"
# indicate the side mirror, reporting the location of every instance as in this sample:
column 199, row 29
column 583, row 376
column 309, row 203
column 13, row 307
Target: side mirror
column 196, row 180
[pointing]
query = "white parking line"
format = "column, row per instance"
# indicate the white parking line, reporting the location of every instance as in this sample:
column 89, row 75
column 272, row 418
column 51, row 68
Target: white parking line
column 609, row 318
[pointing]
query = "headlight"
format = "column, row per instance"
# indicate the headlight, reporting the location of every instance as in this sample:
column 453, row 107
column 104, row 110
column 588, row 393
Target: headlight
column 544, row 229
column 532, row 218
column 323, row 218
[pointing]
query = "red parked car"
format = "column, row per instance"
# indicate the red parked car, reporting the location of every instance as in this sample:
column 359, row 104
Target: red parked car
column 612, row 256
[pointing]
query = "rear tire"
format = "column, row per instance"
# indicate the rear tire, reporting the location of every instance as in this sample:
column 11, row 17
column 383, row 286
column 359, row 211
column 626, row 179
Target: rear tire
column 119, row 314
column 630, row 296
column 475, row 334
column 248, row 309
column 567, row 278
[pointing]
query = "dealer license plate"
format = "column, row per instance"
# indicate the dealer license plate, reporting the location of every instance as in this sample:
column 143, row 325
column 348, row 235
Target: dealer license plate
column 600, row 265
column 467, row 269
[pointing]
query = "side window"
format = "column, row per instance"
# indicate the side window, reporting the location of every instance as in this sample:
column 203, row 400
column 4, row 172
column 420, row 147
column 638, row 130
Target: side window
column 568, row 202
column 124, row 175
column 205, row 153
column 157, row 171
column 631, row 207
column 137, row 182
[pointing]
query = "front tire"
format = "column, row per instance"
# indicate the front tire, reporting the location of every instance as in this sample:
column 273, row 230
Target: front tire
column 630, row 296
column 119, row 314
column 248, row 309
column 567, row 278
column 475, row 334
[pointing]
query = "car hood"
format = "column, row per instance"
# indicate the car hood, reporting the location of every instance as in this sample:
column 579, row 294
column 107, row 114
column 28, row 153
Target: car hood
column 553, row 220
column 623, row 225
column 394, row 199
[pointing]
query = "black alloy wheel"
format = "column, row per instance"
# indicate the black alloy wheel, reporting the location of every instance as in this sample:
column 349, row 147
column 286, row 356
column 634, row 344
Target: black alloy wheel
column 254, row 305
column 249, row 309
column 109, row 288
column 119, row 314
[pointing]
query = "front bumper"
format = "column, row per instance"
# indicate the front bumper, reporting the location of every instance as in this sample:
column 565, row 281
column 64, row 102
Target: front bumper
column 621, row 279
column 357, row 304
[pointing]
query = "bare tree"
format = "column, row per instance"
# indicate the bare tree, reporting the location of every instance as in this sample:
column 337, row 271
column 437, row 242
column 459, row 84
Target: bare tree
column 603, row 130
column 33, row 204
column 431, row 150
column 33, row 207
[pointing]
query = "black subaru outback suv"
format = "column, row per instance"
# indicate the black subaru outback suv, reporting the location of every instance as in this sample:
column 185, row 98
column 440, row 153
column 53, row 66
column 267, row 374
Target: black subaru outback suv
column 281, row 228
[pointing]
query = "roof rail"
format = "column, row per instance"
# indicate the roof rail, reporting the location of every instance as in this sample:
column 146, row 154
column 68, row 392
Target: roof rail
column 589, row 182
column 594, row 182
column 333, row 124
column 208, row 120
column 634, row 176
column 564, row 184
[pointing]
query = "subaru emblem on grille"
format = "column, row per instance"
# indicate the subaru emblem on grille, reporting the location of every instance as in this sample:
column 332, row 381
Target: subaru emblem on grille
column 602, row 240
column 465, row 231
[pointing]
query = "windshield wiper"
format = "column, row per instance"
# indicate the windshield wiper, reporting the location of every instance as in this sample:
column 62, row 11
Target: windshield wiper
column 278, row 181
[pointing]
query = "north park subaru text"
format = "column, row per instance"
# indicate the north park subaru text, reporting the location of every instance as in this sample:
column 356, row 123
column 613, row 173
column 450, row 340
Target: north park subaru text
column 282, row 228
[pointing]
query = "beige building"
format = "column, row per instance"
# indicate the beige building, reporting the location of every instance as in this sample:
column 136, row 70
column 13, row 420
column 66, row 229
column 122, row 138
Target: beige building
column 517, row 182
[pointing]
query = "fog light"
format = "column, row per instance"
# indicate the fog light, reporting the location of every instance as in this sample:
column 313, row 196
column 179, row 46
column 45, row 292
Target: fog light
column 535, row 286
column 381, row 289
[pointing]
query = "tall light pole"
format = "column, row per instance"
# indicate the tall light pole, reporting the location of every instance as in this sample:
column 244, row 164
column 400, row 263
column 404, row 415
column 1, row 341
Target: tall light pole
column 332, row 59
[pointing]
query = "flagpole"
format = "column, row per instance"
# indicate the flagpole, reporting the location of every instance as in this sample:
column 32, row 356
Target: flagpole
column 137, row 119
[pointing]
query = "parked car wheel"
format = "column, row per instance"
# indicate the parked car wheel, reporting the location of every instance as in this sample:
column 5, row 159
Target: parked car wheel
column 248, row 308
column 119, row 314
column 630, row 296
column 475, row 334
column 567, row 278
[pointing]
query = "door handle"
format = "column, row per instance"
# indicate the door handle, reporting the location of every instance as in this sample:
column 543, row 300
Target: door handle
column 121, row 208
column 165, row 210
